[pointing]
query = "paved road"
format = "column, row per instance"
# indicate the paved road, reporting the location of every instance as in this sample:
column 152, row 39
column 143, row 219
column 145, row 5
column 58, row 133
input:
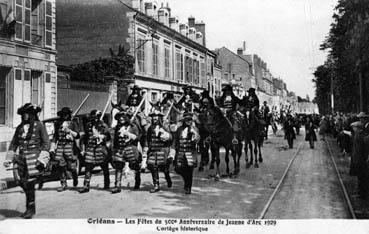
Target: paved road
column 242, row 197
column 311, row 188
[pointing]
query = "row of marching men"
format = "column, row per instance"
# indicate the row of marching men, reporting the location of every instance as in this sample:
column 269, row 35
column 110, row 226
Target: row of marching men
column 161, row 147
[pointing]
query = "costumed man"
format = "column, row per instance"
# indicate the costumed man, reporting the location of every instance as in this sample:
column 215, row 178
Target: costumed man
column 156, row 150
column 252, row 102
column 289, row 131
column 65, row 148
column 125, row 148
column 133, row 101
column 188, row 100
column 184, row 147
column 32, row 141
column 266, row 116
column 95, row 149
column 169, row 105
column 228, row 103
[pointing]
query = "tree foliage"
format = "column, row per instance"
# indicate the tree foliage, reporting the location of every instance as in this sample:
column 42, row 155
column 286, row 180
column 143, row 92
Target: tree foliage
column 120, row 65
column 348, row 48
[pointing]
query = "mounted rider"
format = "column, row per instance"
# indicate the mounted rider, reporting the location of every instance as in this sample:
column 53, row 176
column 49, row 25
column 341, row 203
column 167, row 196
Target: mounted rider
column 125, row 148
column 95, row 147
column 156, row 148
column 251, row 102
column 229, row 103
column 65, row 148
column 33, row 143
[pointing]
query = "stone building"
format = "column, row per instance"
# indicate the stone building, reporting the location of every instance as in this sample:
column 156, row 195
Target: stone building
column 168, row 54
column 27, row 60
column 236, row 70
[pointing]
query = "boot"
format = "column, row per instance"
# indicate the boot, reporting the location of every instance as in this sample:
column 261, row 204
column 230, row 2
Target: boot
column 30, row 203
column 86, row 187
column 63, row 179
column 168, row 179
column 188, row 190
column 155, row 178
column 137, row 180
column 118, row 179
column 63, row 186
column 40, row 182
column 106, row 177
column 75, row 178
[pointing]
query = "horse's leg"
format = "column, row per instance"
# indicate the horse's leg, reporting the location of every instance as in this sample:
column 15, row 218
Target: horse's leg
column 246, row 154
column 260, row 156
column 234, row 155
column 217, row 160
column 251, row 153
column 256, row 153
column 227, row 159
column 213, row 157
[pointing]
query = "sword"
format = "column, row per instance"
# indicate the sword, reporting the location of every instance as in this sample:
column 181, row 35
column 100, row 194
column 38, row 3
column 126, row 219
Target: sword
column 106, row 107
column 80, row 106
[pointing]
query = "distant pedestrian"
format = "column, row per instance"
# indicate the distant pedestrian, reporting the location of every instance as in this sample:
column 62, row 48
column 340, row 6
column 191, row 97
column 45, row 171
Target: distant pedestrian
column 289, row 131
column 323, row 127
column 310, row 132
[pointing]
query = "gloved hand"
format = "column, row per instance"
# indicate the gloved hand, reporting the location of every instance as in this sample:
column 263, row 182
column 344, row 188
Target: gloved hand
column 44, row 158
column 143, row 164
column 7, row 163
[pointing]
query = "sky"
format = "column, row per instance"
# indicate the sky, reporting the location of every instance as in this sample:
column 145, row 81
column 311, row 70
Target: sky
column 286, row 34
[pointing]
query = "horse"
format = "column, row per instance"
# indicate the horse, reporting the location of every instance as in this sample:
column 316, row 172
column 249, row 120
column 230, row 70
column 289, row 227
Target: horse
column 220, row 133
column 253, row 137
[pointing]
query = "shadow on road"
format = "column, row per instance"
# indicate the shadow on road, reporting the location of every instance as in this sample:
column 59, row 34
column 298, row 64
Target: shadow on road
column 9, row 213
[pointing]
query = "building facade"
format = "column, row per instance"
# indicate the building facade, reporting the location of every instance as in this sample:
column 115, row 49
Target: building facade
column 27, row 59
column 168, row 54
column 236, row 70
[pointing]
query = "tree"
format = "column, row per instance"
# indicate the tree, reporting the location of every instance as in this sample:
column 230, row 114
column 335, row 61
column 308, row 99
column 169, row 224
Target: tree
column 348, row 60
column 120, row 65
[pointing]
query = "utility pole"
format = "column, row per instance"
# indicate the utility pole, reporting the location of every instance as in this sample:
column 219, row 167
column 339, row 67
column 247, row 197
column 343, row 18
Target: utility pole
column 332, row 95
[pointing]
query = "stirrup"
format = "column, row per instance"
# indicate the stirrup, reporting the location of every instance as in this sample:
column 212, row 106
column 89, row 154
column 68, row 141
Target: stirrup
column 235, row 141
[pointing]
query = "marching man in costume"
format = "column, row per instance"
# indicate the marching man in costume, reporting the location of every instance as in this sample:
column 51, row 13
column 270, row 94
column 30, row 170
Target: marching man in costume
column 156, row 150
column 125, row 148
column 33, row 143
column 184, row 147
column 95, row 149
column 64, row 145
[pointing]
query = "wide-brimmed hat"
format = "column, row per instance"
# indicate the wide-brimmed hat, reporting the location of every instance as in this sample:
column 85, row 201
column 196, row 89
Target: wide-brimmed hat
column 186, row 116
column 155, row 109
column 251, row 90
column 95, row 113
column 124, row 111
column 363, row 115
column 357, row 124
column 64, row 110
column 28, row 108
column 227, row 87
column 136, row 87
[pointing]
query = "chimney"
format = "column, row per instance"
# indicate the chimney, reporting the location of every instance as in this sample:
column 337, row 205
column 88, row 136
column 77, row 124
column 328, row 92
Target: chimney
column 174, row 23
column 191, row 21
column 240, row 51
column 244, row 46
column 200, row 27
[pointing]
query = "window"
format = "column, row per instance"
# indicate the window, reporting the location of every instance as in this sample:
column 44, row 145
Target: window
column 141, row 55
column 35, row 87
column 167, row 62
column 49, row 24
column 179, row 65
column 155, row 59
column 154, row 96
column 196, row 72
column 188, row 69
column 3, row 74
column 229, row 66
column 19, row 19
